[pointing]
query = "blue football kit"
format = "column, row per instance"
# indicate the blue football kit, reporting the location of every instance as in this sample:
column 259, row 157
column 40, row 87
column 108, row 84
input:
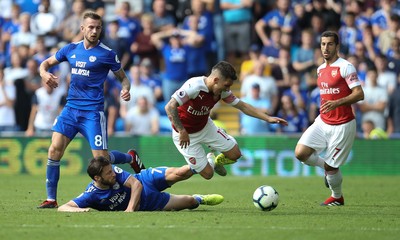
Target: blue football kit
column 117, row 197
column 84, row 111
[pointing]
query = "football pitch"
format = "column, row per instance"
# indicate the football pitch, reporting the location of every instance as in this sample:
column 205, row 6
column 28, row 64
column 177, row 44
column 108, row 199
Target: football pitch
column 372, row 211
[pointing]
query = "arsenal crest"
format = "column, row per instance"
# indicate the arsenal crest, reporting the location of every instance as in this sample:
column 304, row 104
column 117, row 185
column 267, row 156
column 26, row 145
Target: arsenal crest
column 192, row 160
column 334, row 73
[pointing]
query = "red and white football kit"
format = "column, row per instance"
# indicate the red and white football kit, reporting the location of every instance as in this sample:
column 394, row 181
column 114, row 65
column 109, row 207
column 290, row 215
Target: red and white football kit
column 195, row 103
column 335, row 130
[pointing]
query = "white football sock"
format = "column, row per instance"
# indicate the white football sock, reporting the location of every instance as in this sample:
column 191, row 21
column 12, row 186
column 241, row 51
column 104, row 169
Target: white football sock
column 315, row 160
column 335, row 183
column 211, row 159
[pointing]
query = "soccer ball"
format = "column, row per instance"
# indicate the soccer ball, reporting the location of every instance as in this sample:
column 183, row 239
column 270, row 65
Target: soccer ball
column 265, row 198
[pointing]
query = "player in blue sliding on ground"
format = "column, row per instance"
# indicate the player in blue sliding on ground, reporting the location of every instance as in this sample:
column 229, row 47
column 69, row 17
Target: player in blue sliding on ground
column 114, row 189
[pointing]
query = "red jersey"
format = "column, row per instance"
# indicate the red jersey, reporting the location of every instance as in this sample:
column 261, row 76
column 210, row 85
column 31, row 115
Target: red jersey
column 335, row 81
column 195, row 103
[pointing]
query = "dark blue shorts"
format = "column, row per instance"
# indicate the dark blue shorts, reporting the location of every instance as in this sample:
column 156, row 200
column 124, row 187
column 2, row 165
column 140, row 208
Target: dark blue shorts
column 91, row 124
column 153, row 181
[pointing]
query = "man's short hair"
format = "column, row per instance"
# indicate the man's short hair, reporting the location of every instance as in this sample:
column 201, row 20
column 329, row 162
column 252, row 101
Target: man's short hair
column 225, row 69
column 96, row 166
column 91, row 15
column 331, row 34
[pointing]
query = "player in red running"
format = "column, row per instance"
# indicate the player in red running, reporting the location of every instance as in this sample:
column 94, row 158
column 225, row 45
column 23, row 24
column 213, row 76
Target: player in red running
column 334, row 129
column 189, row 112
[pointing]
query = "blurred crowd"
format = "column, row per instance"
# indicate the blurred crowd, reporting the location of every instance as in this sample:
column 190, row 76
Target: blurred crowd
column 161, row 43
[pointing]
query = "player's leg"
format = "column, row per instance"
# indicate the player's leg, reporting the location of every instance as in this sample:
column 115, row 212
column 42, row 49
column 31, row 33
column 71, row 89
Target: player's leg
column 64, row 131
column 56, row 150
column 174, row 175
column 340, row 145
column 218, row 140
column 310, row 144
column 195, row 155
column 180, row 202
column 93, row 127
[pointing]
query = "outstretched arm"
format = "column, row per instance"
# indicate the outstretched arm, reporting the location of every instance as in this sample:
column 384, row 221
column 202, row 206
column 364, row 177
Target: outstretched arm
column 136, row 190
column 72, row 207
column 254, row 112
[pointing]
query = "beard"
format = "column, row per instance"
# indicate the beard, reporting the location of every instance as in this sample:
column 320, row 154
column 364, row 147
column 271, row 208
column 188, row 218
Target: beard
column 109, row 183
column 89, row 39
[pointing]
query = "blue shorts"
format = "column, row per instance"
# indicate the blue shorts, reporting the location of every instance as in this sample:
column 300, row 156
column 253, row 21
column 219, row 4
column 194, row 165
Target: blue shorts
column 91, row 124
column 153, row 181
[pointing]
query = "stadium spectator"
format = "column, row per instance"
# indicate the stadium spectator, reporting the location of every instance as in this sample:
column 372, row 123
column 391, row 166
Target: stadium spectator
column 27, row 6
column 330, row 12
column 119, row 44
column 142, row 47
column 349, row 34
column 247, row 66
column 267, row 85
column 112, row 105
column 71, row 26
column 205, row 27
column 149, row 78
column 280, row 17
column 196, row 47
column 47, row 103
column 16, row 70
column 138, row 89
column 139, row 192
column 314, row 105
column 96, row 5
column 386, row 79
column 371, row 132
column 270, row 53
column 10, row 26
column 380, row 18
column 163, row 20
column 393, row 120
column 7, row 100
column 296, row 94
column 142, row 119
column 282, row 69
column 387, row 36
column 46, row 24
column 174, row 55
column 296, row 117
column 23, row 36
column 375, row 102
column 237, row 17
column 250, row 125
column 303, row 58
column 33, row 81
column 129, row 27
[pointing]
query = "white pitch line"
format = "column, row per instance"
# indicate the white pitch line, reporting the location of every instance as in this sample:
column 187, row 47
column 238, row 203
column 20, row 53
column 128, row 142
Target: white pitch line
column 206, row 227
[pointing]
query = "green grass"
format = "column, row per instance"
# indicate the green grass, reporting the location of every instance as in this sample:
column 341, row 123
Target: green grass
column 372, row 211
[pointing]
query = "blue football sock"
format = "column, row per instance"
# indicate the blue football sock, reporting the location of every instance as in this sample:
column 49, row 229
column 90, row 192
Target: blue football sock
column 117, row 157
column 52, row 177
column 198, row 199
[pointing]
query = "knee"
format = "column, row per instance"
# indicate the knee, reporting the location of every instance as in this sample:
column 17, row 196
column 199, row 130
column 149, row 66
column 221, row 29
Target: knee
column 300, row 154
column 55, row 152
column 233, row 154
column 207, row 176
